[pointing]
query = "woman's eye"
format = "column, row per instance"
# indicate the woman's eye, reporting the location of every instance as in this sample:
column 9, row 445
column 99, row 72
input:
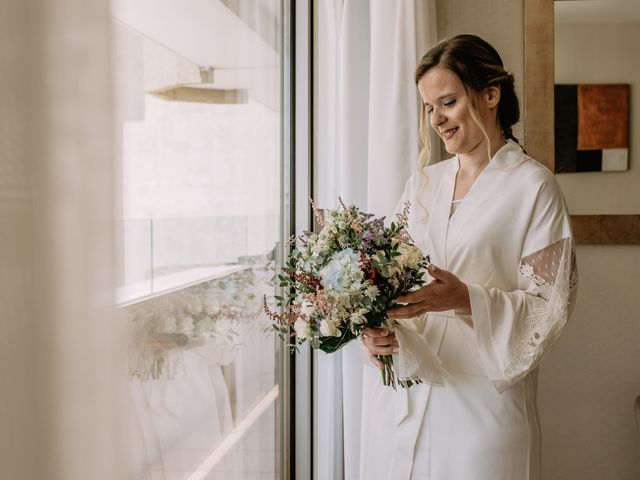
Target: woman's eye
column 429, row 110
column 450, row 103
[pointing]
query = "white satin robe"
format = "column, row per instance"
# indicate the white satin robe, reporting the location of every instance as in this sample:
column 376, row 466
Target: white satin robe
column 510, row 240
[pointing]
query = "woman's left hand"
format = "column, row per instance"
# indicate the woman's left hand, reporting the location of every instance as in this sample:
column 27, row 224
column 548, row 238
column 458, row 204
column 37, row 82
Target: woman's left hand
column 445, row 292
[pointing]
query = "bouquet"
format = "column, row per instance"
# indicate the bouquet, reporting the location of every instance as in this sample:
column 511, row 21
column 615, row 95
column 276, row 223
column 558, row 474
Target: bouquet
column 342, row 280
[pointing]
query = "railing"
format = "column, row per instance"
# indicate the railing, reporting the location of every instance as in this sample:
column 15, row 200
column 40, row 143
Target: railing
column 162, row 255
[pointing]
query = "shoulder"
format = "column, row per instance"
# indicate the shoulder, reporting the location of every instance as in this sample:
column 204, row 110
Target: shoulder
column 437, row 169
column 538, row 178
column 549, row 205
column 524, row 173
column 429, row 175
column 432, row 172
column 549, row 220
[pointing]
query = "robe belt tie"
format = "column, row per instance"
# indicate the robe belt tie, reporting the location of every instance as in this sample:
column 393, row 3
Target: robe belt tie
column 417, row 358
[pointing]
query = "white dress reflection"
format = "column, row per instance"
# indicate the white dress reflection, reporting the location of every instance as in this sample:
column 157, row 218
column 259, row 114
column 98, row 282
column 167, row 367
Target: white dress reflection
column 183, row 418
column 200, row 363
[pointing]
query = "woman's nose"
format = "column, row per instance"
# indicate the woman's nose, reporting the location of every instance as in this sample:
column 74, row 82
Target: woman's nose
column 437, row 118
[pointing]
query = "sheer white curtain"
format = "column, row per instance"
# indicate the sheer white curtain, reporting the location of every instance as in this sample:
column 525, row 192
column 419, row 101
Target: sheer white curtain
column 57, row 328
column 367, row 146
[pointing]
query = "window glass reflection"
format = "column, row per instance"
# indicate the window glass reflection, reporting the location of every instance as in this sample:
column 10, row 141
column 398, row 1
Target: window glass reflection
column 198, row 95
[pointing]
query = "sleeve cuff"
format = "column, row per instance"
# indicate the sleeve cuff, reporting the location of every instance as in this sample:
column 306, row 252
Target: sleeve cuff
column 479, row 300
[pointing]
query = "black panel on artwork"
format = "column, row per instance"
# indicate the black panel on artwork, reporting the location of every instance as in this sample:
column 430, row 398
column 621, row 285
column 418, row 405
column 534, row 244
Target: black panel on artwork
column 589, row 161
column 566, row 128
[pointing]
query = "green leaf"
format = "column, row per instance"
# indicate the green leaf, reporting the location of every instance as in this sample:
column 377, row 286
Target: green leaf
column 333, row 344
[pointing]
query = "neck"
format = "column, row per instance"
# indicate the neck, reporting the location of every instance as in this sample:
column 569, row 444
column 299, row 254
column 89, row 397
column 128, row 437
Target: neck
column 477, row 158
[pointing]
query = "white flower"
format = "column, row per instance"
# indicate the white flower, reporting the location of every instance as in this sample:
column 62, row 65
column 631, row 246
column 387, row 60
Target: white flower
column 358, row 317
column 329, row 328
column 409, row 257
column 371, row 292
column 302, row 328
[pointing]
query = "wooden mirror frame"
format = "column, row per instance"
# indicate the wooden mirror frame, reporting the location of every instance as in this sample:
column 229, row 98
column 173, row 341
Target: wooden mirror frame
column 539, row 123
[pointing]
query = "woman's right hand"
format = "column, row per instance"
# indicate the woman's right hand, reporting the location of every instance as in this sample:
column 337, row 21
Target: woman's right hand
column 379, row 341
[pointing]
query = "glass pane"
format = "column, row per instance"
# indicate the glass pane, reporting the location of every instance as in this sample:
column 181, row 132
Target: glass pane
column 199, row 121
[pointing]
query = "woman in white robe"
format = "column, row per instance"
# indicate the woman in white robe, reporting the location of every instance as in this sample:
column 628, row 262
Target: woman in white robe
column 502, row 285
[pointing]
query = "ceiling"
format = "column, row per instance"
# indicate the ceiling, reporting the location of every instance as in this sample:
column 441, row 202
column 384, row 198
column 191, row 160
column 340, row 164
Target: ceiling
column 205, row 32
column 235, row 37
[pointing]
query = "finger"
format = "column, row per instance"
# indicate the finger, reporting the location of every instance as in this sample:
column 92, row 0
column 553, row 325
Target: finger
column 407, row 311
column 387, row 350
column 416, row 296
column 375, row 360
column 380, row 341
column 413, row 297
column 369, row 355
column 375, row 332
column 383, row 341
column 439, row 273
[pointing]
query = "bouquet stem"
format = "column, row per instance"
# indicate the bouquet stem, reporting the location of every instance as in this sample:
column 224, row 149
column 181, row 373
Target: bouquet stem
column 389, row 376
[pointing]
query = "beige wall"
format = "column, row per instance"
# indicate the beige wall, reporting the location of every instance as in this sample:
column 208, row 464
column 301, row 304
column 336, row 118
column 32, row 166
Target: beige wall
column 499, row 22
column 588, row 383
column 602, row 53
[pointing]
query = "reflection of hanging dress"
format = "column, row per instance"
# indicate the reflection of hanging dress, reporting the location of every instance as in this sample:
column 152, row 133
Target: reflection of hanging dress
column 510, row 241
column 182, row 419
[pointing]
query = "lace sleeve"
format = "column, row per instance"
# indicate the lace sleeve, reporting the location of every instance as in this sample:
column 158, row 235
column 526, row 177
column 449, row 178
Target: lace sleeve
column 515, row 327
column 551, row 275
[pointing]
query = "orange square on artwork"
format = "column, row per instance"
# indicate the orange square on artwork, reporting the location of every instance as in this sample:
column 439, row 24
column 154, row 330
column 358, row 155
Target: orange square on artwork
column 603, row 116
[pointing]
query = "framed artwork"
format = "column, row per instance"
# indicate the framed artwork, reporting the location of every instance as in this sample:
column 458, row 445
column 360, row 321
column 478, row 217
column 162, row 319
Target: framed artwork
column 591, row 128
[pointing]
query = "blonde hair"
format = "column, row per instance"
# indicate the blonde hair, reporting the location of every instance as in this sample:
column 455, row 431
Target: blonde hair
column 424, row 155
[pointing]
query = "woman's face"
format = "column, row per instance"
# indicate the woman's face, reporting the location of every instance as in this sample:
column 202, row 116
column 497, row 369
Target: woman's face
column 447, row 105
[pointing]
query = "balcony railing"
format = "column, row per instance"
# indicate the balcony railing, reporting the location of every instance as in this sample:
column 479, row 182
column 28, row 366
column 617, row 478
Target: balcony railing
column 164, row 255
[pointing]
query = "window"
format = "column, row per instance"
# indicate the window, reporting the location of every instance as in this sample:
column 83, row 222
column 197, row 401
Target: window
column 203, row 214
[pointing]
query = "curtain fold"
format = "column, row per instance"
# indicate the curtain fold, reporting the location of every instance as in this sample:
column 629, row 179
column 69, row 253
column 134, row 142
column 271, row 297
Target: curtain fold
column 59, row 328
column 342, row 168
column 367, row 144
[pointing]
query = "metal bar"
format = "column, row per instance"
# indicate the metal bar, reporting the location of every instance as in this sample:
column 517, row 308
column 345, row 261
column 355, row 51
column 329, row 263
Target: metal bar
column 303, row 182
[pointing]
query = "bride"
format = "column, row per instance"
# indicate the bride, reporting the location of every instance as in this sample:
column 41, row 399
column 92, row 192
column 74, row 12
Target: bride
column 502, row 286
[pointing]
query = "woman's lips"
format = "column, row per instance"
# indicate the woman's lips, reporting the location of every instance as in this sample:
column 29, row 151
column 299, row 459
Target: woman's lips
column 449, row 132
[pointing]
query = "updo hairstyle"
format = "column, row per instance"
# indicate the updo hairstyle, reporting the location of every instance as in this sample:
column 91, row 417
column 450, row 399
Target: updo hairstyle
column 478, row 65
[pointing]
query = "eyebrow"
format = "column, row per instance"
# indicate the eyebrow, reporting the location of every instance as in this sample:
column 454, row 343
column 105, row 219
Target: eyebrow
column 442, row 96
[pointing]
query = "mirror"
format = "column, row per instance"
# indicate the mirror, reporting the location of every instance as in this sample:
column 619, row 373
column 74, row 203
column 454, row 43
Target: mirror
column 611, row 216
